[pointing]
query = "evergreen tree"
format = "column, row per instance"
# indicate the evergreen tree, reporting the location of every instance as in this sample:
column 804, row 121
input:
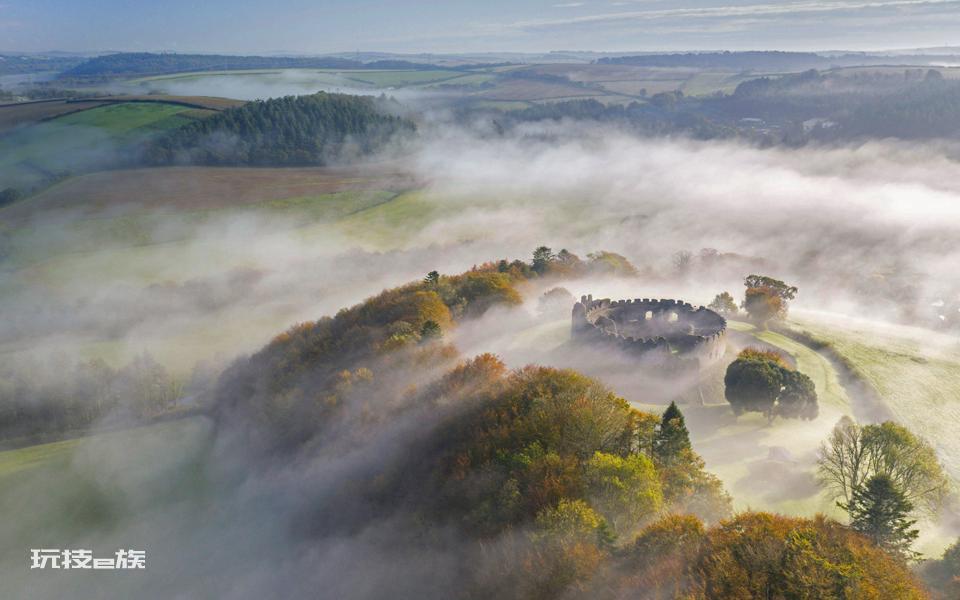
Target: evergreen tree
column 542, row 257
column 672, row 437
column 431, row 330
column 432, row 278
column 880, row 511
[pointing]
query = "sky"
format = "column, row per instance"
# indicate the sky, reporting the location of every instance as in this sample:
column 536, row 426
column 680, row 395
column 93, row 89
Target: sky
column 452, row 26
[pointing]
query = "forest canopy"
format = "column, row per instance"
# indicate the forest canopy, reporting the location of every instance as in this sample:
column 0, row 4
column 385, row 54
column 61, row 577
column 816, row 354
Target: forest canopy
column 293, row 130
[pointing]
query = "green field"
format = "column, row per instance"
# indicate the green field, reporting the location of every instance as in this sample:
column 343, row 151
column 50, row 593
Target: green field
column 163, row 245
column 83, row 140
column 102, row 492
column 744, row 450
column 915, row 371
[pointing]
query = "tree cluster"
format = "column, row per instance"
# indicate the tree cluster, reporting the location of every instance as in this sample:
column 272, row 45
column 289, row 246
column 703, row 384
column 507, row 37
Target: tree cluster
column 289, row 131
column 547, row 263
column 882, row 474
column 942, row 576
column 554, row 485
column 394, row 336
column 762, row 381
column 49, row 399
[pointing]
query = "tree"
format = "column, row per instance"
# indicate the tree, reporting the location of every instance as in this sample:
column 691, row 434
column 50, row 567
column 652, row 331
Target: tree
column 766, row 298
column 781, row 289
column 943, row 576
column 682, row 261
column 567, row 262
column 853, row 454
column 753, row 386
column 570, row 536
column 798, row 399
column 624, row 490
column 430, row 330
column 432, row 279
column 724, row 304
column 610, row 263
column 759, row 555
column 761, row 381
column 763, row 305
column 880, row 511
column 555, row 300
column 671, row 437
column 569, row 521
column 542, row 257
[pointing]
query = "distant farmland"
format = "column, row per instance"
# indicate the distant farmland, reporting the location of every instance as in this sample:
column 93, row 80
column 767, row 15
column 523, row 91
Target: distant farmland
column 519, row 85
column 200, row 188
column 90, row 137
column 24, row 113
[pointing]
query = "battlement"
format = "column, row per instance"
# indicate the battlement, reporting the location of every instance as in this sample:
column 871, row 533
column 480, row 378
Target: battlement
column 668, row 329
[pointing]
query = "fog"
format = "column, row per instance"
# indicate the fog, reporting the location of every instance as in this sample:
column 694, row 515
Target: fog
column 270, row 84
column 867, row 231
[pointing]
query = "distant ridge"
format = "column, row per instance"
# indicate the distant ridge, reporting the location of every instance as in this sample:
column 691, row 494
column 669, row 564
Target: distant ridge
column 769, row 60
column 141, row 64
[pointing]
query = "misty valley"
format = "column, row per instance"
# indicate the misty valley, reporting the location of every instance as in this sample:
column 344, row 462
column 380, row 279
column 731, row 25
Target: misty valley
column 653, row 325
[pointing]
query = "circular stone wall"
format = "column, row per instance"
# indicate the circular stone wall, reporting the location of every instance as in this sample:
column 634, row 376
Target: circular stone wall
column 670, row 329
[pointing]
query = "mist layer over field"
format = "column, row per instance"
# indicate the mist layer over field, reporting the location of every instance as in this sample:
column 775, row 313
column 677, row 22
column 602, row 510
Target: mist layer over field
column 262, row 85
column 860, row 230
column 866, row 230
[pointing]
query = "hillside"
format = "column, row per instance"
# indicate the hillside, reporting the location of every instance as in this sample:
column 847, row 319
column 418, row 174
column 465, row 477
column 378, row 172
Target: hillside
column 915, row 372
column 93, row 135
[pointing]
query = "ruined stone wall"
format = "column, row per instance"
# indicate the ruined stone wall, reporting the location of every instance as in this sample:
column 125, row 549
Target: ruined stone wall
column 664, row 329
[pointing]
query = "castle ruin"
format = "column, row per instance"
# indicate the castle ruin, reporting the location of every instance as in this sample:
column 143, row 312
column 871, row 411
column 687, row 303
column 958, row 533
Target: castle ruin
column 665, row 333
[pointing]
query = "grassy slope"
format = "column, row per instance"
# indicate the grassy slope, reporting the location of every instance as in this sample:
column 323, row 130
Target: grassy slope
column 738, row 450
column 79, row 493
column 915, row 371
column 162, row 244
column 14, row 115
column 82, row 140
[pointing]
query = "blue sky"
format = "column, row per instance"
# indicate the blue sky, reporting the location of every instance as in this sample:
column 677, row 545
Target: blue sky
column 318, row 26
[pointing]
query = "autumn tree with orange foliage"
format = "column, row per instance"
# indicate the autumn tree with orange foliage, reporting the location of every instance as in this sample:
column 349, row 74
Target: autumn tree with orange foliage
column 767, row 298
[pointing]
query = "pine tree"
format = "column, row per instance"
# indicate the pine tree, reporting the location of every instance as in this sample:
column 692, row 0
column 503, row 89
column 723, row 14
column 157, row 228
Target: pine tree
column 542, row 257
column 672, row 437
column 430, row 330
column 880, row 511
